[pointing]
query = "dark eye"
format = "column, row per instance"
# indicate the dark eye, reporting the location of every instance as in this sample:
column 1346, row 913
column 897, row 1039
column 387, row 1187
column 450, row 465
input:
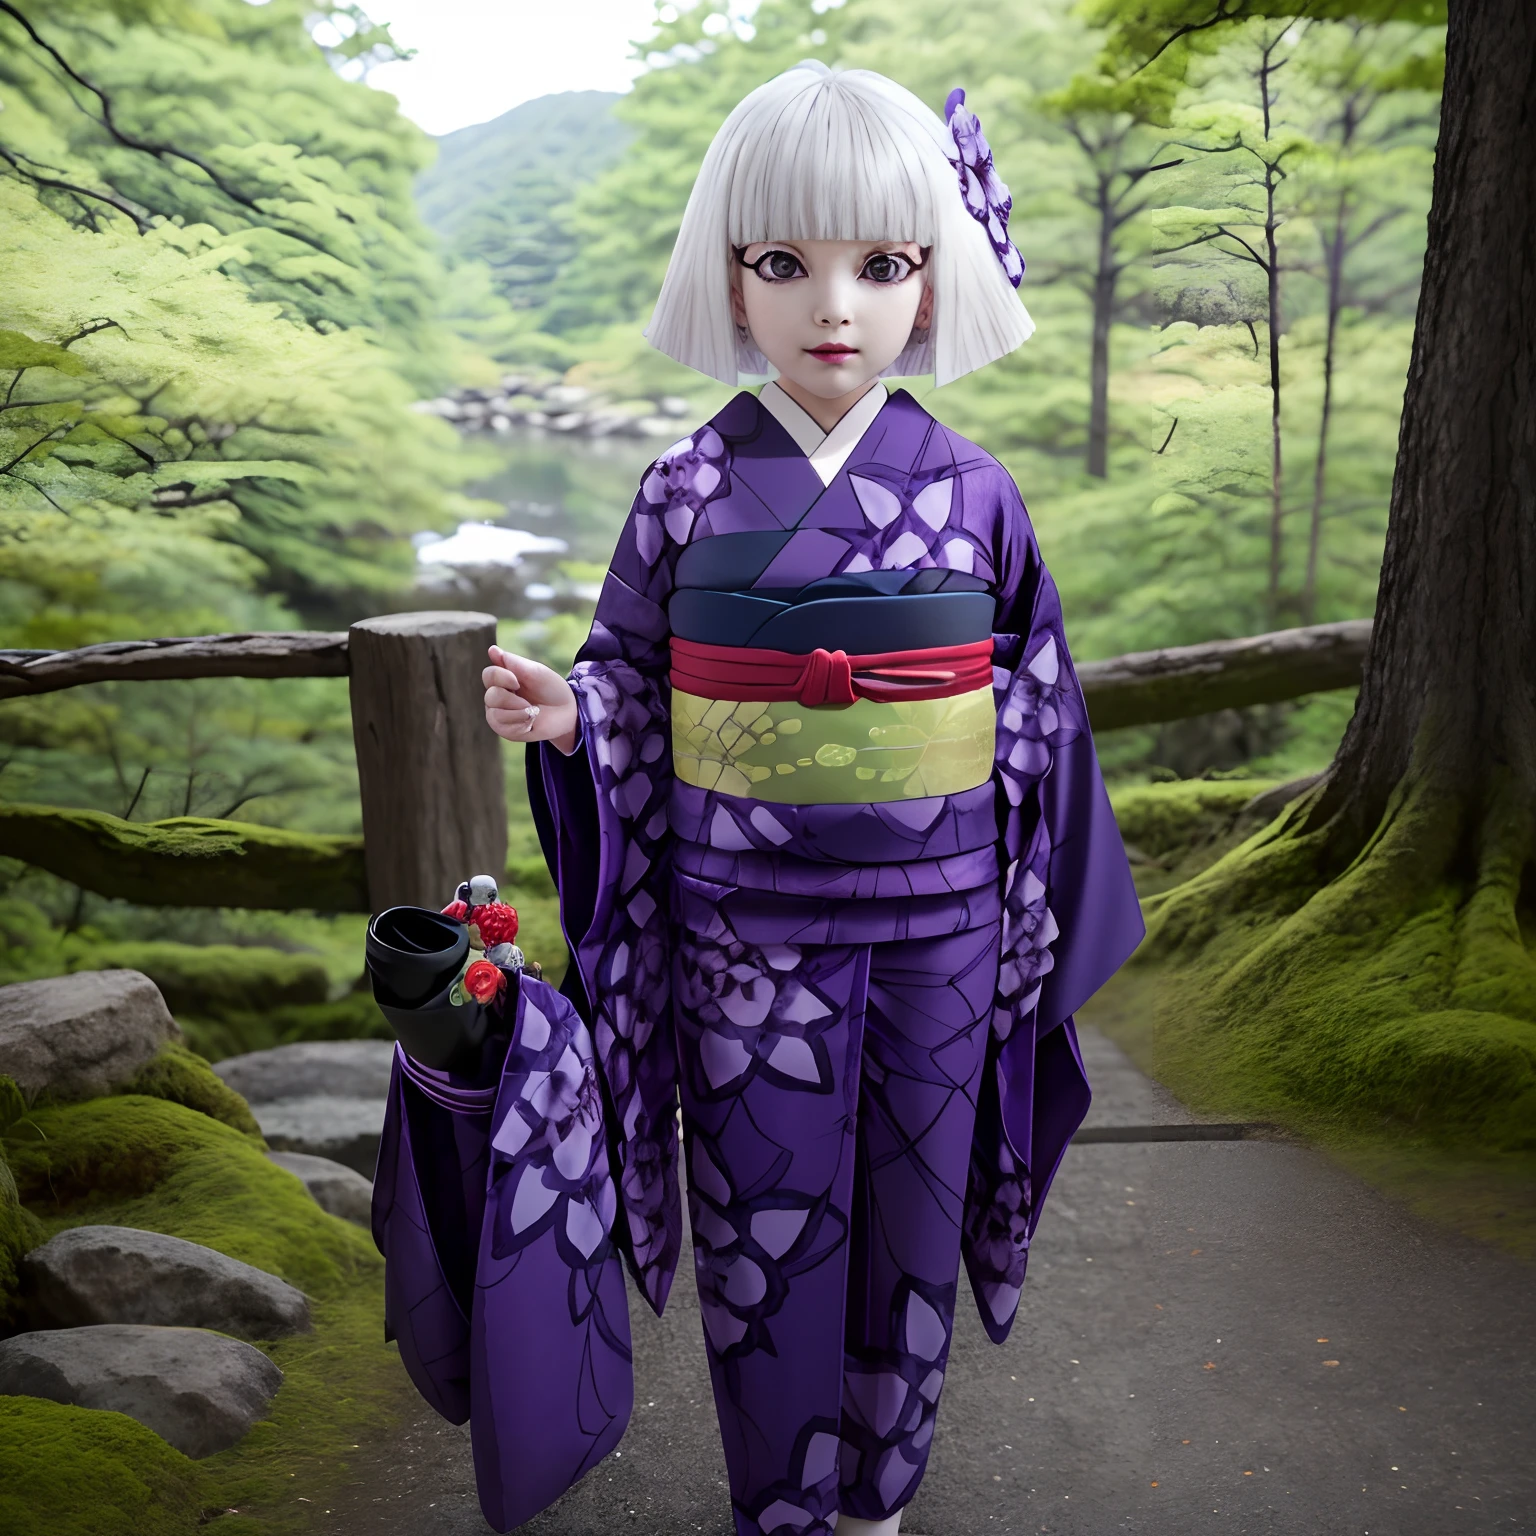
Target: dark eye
column 888, row 267
column 773, row 266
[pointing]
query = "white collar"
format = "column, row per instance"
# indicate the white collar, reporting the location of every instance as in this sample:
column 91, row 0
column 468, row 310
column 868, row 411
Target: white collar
column 827, row 451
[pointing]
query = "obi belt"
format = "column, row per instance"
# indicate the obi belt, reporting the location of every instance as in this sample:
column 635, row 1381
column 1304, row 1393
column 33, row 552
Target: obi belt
column 852, row 689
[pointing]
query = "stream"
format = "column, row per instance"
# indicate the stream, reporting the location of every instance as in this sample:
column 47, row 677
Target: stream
column 565, row 500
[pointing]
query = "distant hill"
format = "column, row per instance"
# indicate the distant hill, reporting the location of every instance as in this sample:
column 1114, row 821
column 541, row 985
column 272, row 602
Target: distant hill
column 498, row 188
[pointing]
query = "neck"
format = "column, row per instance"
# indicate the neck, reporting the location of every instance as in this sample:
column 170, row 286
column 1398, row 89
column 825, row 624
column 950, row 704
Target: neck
column 824, row 412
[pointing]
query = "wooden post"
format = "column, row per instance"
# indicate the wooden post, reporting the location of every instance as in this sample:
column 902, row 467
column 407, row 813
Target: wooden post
column 429, row 767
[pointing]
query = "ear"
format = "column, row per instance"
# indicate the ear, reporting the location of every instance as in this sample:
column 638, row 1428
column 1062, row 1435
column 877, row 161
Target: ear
column 924, row 318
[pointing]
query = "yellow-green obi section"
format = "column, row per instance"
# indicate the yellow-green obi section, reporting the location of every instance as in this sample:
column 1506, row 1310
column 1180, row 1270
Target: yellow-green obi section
column 852, row 754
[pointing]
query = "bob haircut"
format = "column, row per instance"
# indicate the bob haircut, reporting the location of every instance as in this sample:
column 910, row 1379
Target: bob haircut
column 822, row 154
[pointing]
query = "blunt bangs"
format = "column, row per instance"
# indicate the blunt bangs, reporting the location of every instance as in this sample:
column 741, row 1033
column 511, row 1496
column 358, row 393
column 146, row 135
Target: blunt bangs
column 826, row 167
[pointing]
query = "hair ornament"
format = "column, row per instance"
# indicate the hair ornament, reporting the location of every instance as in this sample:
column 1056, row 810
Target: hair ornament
column 986, row 195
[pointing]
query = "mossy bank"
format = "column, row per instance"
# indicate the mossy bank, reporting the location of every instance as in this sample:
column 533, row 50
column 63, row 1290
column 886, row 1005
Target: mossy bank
column 181, row 1156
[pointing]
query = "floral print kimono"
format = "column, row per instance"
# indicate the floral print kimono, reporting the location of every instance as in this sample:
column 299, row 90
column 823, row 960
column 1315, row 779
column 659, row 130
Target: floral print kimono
column 836, row 866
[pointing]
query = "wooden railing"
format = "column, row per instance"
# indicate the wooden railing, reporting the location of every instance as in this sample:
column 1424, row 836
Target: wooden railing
column 430, row 773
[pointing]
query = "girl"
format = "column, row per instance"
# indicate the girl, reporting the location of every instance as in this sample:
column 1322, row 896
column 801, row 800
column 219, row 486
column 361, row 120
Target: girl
column 835, row 860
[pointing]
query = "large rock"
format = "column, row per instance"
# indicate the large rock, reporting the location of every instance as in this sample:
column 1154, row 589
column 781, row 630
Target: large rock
column 341, row 1130
column 323, row 1097
column 199, row 1391
column 336, row 1188
column 342, row 1069
column 81, row 1036
column 122, row 1275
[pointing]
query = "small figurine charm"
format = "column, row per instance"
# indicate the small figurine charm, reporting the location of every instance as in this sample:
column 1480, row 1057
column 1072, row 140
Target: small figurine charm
column 492, row 924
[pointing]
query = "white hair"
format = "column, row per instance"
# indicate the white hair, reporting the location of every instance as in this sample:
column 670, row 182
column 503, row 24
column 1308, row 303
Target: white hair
column 821, row 154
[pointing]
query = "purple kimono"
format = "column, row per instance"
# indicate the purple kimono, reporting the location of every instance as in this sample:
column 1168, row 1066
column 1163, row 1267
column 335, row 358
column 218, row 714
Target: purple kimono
column 860, row 995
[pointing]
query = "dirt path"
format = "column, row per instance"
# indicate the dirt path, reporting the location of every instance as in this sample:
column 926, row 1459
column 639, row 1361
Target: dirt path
column 1217, row 1338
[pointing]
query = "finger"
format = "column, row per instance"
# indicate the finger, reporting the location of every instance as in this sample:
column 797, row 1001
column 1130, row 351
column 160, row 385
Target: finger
column 515, row 724
column 510, row 721
column 505, row 698
column 500, row 677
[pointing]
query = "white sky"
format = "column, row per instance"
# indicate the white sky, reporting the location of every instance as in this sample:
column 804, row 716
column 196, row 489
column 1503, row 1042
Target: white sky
column 479, row 58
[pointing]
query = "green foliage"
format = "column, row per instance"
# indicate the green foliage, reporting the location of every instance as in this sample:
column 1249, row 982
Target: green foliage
column 236, row 1031
column 624, row 222
column 216, row 978
column 84, row 1472
column 500, row 191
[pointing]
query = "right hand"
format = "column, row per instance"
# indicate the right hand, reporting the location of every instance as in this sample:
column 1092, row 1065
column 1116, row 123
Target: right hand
column 527, row 701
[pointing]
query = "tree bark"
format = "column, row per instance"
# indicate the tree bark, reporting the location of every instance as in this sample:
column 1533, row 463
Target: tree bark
column 1334, row 253
column 1449, row 693
column 428, row 766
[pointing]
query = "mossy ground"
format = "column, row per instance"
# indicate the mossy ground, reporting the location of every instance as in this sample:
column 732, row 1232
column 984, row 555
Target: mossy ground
column 146, row 1162
column 1388, row 1013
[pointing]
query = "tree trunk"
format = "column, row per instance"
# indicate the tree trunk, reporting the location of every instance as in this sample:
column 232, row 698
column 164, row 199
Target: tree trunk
column 1449, row 695
column 1276, row 478
column 1335, row 259
column 1104, row 278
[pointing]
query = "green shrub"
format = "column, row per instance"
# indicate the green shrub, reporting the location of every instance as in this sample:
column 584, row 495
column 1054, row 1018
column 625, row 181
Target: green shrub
column 216, row 980
column 353, row 1017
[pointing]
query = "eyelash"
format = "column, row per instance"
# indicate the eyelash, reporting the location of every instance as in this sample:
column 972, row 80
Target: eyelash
column 908, row 262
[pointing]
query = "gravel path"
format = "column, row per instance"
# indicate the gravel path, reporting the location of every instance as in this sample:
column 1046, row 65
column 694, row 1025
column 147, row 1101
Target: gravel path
column 1217, row 1338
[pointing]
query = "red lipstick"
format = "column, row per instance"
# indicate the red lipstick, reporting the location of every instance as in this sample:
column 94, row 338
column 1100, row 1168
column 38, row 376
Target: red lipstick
column 833, row 351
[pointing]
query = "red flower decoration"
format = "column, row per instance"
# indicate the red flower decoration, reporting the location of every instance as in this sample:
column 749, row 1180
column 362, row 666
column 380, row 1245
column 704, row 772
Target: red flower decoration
column 483, row 981
column 496, row 923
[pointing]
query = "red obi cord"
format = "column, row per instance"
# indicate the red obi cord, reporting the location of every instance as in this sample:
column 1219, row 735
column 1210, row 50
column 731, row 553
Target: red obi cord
column 829, row 677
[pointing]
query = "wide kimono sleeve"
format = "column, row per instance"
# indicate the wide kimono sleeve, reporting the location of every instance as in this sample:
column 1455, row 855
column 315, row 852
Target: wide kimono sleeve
column 494, row 1207
column 1070, row 920
column 602, row 819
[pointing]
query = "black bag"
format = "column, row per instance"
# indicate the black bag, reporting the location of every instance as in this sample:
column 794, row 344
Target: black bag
column 414, row 957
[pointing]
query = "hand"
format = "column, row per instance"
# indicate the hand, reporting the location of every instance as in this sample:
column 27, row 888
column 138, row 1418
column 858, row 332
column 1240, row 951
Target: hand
column 527, row 701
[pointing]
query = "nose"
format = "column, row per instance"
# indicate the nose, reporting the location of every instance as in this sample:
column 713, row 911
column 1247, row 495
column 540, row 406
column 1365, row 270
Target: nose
column 834, row 301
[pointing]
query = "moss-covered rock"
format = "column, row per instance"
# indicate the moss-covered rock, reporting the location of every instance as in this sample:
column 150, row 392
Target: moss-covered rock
column 183, row 1077
column 19, row 1229
column 83, row 1472
column 163, row 1167
column 216, row 980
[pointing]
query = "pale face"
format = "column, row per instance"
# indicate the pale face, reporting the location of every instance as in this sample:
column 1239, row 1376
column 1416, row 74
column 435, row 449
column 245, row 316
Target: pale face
column 830, row 315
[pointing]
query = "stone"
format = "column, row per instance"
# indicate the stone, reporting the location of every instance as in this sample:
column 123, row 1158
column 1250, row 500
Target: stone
column 90, row 1275
column 336, row 1188
column 341, row 1069
column 81, row 1036
column 199, row 1391
column 343, row 1130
